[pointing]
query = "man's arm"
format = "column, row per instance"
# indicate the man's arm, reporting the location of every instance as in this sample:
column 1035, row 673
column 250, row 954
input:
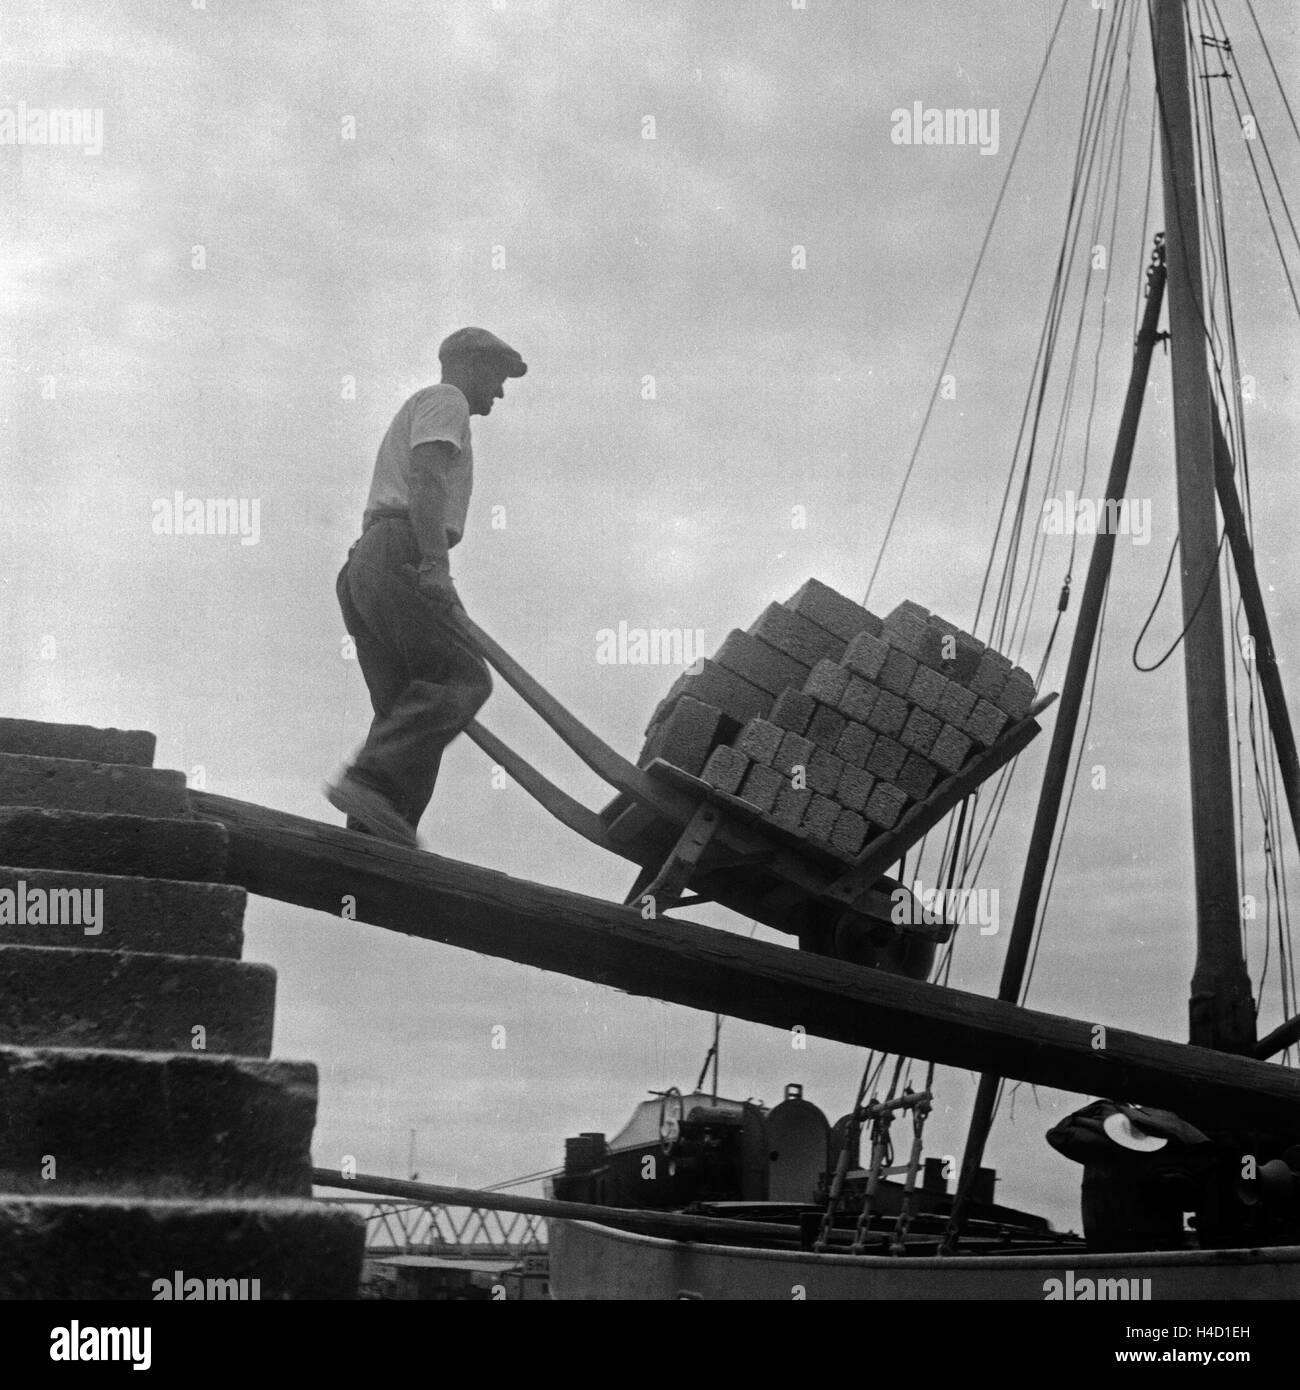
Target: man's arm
column 429, row 515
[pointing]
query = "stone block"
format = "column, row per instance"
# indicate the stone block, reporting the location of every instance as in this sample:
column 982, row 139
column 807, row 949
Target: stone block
column 859, row 695
column 866, row 655
column 855, row 744
column 826, row 682
column 790, row 806
column 886, row 758
column 52, row 997
column 38, row 739
column 113, row 844
column 824, row 770
column 897, row 673
column 885, row 805
column 920, row 731
column 760, row 741
column 797, row 636
column 1017, row 695
column 826, row 726
column 89, row 1248
column 794, row 752
column 820, row 816
column 73, row 785
column 955, row 704
column 950, row 750
column 987, row 682
column 850, row 832
column 686, row 737
column 888, row 714
column 737, row 698
column 762, row 786
column 833, row 611
column 726, row 769
column 155, row 1124
column 122, row 913
column 759, row 663
column 854, row 788
column 905, row 629
column 916, row 776
column 986, row 724
column 792, row 710
column 927, row 689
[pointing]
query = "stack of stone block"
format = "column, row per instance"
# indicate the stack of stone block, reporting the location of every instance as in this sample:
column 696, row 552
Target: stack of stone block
column 830, row 721
column 143, row 1129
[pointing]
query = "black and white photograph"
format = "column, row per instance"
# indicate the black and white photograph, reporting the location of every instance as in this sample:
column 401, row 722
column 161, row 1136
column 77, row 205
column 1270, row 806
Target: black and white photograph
column 643, row 665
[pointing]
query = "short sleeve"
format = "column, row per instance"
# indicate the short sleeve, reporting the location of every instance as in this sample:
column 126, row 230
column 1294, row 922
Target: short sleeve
column 440, row 415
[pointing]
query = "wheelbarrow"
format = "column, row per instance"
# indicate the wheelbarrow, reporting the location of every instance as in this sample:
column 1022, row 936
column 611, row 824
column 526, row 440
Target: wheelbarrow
column 695, row 844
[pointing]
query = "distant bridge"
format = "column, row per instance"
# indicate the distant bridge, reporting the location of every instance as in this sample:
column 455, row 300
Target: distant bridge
column 400, row 1227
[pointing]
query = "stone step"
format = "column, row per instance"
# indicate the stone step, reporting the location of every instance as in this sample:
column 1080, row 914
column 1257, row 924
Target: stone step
column 72, row 784
column 100, row 1247
column 113, row 844
column 131, row 914
column 39, row 739
column 75, row 1123
column 57, row 997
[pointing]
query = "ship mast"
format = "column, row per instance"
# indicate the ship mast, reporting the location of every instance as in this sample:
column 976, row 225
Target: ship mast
column 1221, row 1010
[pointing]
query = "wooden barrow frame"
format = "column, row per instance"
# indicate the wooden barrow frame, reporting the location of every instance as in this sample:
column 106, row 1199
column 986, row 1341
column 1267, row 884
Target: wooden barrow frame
column 685, row 833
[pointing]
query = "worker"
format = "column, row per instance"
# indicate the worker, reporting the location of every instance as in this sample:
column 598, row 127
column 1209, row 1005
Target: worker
column 426, row 680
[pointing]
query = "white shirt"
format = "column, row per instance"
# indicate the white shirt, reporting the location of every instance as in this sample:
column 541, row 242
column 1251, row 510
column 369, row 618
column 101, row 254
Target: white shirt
column 434, row 413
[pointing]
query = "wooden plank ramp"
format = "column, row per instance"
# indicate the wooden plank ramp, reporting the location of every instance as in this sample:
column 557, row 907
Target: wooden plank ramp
column 289, row 858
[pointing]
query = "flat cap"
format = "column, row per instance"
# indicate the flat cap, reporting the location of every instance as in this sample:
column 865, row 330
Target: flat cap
column 466, row 341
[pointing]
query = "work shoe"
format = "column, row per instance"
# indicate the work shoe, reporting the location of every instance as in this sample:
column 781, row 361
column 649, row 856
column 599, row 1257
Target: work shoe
column 372, row 809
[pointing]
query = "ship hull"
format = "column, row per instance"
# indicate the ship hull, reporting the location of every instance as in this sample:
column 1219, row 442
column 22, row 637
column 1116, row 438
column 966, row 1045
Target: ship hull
column 591, row 1261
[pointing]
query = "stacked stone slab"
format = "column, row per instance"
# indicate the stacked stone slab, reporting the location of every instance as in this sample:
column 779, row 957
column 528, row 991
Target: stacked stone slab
column 144, row 1129
column 832, row 722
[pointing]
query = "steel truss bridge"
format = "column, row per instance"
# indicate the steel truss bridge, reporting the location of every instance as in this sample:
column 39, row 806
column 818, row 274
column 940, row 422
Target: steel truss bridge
column 402, row 1227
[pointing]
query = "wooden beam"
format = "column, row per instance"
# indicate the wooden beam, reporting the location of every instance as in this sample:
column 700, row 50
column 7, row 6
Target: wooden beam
column 300, row 861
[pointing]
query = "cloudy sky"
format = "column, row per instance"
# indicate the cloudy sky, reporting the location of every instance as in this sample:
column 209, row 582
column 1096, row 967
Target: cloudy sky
column 293, row 204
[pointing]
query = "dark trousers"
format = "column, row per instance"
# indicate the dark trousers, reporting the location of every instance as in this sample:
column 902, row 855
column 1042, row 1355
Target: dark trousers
column 426, row 681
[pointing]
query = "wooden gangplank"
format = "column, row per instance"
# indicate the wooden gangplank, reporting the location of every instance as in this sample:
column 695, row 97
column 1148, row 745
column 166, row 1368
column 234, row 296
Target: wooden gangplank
column 276, row 855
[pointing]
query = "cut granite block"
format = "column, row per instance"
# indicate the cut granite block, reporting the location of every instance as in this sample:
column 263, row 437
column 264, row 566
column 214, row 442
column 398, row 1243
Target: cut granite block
column 795, row 750
column 865, row 655
column 793, row 710
column 827, row 682
column 927, row 689
column 726, row 769
column 858, row 697
column 986, row 723
column 826, row 726
column 854, row 788
column 920, row 731
column 854, row 745
column 797, row 636
column 966, row 661
column 916, row 777
column 759, row 663
column 820, row 816
column 1003, row 663
column 849, row 833
column 686, row 737
column 885, row 805
column 942, row 626
column 714, row 685
column 1017, row 695
column 790, row 806
column 905, row 628
column 886, row 758
column 988, row 681
column 950, row 750
column 762, row 786
column 888, row 714
column 933, row 650
column 955, row 704
column 824, row 770
column 760, row 740
column 897, row 673
column 832, row 611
